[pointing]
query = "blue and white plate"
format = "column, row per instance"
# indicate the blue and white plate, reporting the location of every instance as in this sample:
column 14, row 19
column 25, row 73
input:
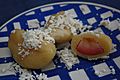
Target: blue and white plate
column 89, row 14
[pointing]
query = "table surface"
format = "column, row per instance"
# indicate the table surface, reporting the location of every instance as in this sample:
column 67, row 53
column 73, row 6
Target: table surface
column 11, row 8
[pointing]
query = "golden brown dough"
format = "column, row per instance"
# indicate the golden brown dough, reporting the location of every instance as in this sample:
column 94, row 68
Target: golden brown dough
column 101, row 40
column 36, row 59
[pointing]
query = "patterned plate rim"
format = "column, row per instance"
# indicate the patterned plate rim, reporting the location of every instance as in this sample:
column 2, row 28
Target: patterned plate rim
column 58, row 3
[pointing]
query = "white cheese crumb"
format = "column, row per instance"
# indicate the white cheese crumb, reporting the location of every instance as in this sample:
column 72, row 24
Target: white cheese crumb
column 67, row 57
column 13, row 31
column 104, row 22
column 97, row 35
column 19, row 48
column 118, row 19
column 19, row 44
column 112, row 70
column 41, row 76
column 83, row 29
column 42, row 23
column 25, row 74
column 113, row 48
column 34, row 38
column 89, row 26
column 21, row 52
column 97, row 73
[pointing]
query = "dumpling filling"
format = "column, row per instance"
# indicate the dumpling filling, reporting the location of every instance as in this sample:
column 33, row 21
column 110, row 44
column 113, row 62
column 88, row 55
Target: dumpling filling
column 89, row 46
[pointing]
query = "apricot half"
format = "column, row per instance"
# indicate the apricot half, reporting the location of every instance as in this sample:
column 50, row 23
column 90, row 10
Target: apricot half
column 91, row 45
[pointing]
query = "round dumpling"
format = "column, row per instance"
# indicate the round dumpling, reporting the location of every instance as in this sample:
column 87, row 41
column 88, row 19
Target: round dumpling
column 26, row 52
column 62, row 27
column 91, row 45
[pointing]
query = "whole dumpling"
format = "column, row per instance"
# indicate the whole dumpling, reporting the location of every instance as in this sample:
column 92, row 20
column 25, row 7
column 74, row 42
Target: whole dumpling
column 31, row 57
column 62, row 27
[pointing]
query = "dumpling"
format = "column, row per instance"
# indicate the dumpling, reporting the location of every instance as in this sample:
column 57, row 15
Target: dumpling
column 62, row 27
column 32, row 49
column 91, row 45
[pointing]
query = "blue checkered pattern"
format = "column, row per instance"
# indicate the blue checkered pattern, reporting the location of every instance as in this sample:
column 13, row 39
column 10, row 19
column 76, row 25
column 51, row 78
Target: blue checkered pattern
column 85, row 69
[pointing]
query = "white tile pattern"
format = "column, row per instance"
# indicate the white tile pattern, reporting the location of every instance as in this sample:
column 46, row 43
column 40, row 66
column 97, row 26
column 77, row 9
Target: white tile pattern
column 79, row 74
column 46, row 8
column 54, row 78
column 5, row 52
column 3, row 39
column 103, row 69
column 106, row 15
column 17, row 25
column 85, row 9
column 117, row 61
column 34, row 23
column 4, row 69
column 91, row 20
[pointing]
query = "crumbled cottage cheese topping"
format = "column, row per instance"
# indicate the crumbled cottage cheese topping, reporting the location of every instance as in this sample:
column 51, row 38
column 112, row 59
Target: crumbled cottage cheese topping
column 25, row 74
column 34, row 38
column 63, row 21
column 67, row 57
column 112, row 70
column 22, row 51
column 41, row 76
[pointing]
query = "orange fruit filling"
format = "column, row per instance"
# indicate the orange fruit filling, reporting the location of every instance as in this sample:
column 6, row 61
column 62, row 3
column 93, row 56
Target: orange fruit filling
column 89, row 46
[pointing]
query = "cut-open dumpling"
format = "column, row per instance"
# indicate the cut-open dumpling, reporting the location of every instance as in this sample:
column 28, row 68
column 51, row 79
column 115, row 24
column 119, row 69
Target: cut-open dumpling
column 91, row 45
column 32, row 49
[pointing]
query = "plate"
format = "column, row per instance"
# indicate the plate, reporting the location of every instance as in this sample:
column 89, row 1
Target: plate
column 89, row 14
